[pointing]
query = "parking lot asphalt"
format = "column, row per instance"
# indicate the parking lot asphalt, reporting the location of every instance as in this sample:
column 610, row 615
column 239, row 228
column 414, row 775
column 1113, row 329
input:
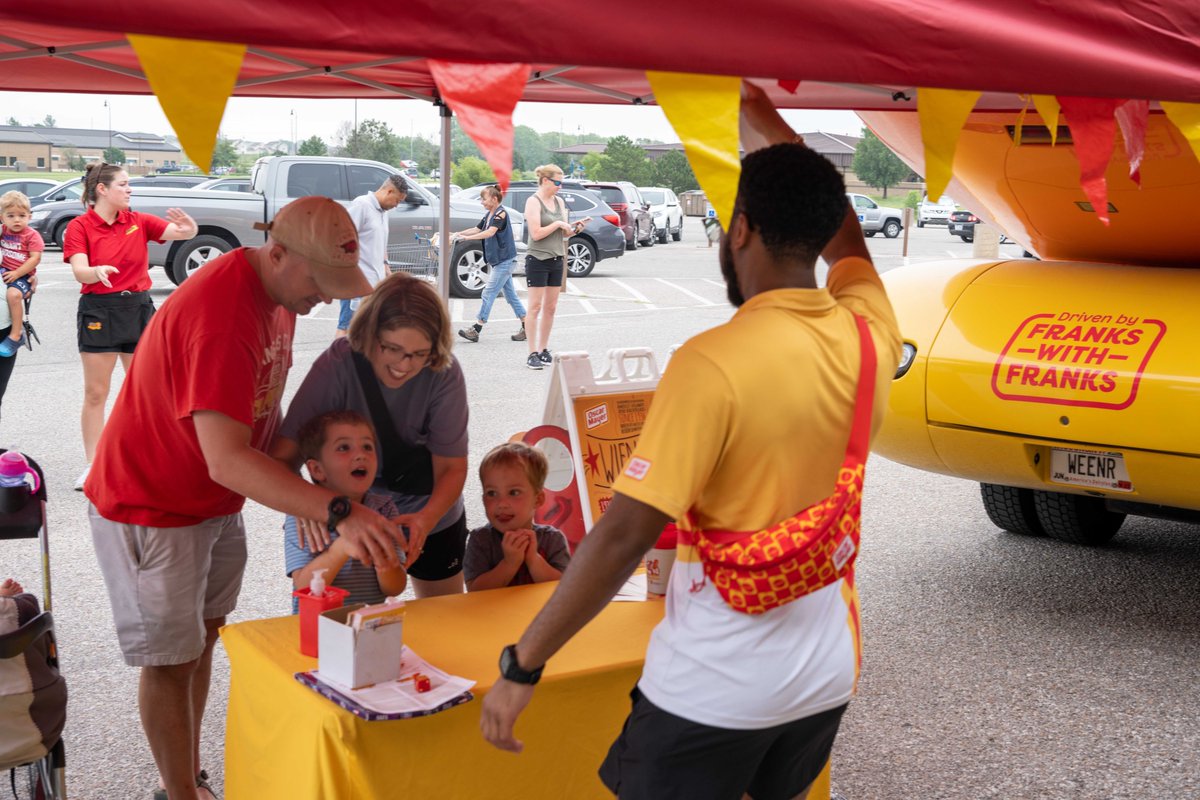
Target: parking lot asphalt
column 995, row 666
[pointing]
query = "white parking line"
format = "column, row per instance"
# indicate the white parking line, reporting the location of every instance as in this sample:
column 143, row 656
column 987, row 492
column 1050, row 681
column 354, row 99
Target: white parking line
column 714, row 283
column 703, row 300
column 587, row 306
column 636, row 294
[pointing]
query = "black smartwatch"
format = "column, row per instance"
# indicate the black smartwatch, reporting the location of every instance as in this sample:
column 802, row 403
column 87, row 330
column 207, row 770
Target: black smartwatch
column 339, row 509
column 511, row 670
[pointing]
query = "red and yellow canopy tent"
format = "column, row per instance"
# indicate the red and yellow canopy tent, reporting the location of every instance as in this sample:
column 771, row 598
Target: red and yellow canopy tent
column 1097, row 64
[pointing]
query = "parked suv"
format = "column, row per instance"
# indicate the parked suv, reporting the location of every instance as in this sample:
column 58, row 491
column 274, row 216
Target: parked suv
column 634, row 212
column 875, row 218
column 602, row 237
column 930, row 212
column 665, row 210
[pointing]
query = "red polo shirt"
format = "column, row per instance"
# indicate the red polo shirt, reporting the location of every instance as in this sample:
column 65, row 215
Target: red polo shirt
column 123, row 244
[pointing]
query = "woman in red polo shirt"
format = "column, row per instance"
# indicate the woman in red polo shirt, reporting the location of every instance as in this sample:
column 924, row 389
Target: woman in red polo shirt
column 108, row 253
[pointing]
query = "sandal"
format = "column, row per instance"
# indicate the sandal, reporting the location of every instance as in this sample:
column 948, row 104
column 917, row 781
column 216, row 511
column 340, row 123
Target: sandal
column 201, row 783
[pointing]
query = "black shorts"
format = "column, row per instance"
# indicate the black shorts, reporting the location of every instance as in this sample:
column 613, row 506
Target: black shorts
column 442, row 555
column 113, row 323
column 541, row 272
column 660, row 756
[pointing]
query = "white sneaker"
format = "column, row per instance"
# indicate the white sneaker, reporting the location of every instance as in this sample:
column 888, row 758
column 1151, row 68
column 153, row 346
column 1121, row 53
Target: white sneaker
column 82, row 478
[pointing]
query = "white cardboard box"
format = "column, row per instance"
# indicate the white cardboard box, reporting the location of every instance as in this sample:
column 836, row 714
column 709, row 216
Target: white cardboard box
column 357, row 659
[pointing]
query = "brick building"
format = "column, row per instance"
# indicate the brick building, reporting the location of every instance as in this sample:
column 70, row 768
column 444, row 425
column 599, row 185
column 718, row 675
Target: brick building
column 33, row 149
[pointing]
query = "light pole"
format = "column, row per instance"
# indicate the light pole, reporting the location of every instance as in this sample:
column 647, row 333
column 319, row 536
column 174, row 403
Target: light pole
column 293, row 131
column 106, row 105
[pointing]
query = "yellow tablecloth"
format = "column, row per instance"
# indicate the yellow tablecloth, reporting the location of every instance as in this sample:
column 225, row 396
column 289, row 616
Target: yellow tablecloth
column 284, row 740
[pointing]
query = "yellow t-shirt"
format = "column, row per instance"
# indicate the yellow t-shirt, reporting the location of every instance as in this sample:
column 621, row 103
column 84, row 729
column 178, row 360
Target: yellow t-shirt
column 748, row 426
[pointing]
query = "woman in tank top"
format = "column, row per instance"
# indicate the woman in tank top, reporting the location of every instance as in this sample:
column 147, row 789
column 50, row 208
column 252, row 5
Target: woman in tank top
column 545, row 260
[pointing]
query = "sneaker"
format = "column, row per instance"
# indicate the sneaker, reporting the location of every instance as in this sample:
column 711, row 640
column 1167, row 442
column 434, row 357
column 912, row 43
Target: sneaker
column 9, row 347
column 470, row 334
column 546, row 357
column 519, row 336
column 82, row 478
column 534, row 361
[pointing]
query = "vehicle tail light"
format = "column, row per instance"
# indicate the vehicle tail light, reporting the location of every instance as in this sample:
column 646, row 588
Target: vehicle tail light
column 613, row 218
column 619, row 207
column 972, row 218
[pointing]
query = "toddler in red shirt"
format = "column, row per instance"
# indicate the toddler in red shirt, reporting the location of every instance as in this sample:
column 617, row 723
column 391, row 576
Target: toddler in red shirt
column 21, row 248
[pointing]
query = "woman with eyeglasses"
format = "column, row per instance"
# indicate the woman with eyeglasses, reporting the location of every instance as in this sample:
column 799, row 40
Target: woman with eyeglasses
column 545, row 260
column 395, row 368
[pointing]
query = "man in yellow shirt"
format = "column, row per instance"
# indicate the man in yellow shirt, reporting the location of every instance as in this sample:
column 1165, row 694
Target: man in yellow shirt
column 749, row 425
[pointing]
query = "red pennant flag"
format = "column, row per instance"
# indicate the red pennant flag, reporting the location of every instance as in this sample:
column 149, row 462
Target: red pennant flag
column 1094, row 131
column 1133, row 116
column 484, row 96
column 789, row 86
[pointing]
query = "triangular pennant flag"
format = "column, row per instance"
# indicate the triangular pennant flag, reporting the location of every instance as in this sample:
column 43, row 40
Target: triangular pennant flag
column 1133, row 116
column 1185, row 117
column 192, row 81
column 942, row 112
column 704, row 111
column 789, row 86
column 1048, row 107
column 1094, row 132
column 1020, row 126
column 484, row 96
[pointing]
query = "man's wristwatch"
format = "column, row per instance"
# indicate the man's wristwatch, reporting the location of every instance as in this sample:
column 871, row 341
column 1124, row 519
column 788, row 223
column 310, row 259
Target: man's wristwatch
column 339, row 509
column 511, row 670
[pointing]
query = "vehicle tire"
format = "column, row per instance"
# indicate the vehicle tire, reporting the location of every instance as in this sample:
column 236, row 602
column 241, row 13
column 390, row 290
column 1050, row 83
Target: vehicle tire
column 195, row 253
column 869, row 234
column 1011, row 509
column 664, row 233
column 632, row 244
column 965, row 238
column 891, row 228
column 581, row 258
column 469, row 273
column 1076, row 518
column 60, row 232
column 651, row 235
column 920, row 223
column 678, row 232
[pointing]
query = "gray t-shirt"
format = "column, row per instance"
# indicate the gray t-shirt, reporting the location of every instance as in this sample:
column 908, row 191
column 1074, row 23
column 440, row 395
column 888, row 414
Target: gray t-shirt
column 484, row 552
column 430, row 410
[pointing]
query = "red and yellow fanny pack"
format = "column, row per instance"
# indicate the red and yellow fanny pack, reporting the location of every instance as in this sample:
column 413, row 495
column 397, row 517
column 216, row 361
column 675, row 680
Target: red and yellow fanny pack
column 756, row 571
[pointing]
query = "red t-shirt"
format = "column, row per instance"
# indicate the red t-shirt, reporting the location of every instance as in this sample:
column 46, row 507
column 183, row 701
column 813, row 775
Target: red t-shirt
column 219, row 343
column 121, row 244
column 18, row 247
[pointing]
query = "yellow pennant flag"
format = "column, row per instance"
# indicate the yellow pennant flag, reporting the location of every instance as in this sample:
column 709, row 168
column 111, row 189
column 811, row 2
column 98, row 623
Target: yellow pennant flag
column 192, row 81
column 942, row 112
column 1047, row 105
column 704, row 111
column 1185, row 117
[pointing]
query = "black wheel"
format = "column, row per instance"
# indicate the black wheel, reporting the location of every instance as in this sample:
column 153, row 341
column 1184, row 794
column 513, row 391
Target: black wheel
column 965, row 238
column 193, row 254
column 664, row 233
column 891, row 228
column 651, row 235
column 920, row 223
column 469, row 273
column 632, row 244
column 1076, row 518
column 1011, row 509
column 60, row 232
column 868, row 234
column 677, row 234
column 581, row 258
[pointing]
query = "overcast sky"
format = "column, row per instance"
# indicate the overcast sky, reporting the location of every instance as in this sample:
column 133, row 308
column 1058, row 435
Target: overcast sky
column 269, row 119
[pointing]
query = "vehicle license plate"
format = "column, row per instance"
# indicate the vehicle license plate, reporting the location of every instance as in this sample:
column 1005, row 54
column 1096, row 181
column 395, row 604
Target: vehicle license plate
column 1094, row 469
column 956, row 226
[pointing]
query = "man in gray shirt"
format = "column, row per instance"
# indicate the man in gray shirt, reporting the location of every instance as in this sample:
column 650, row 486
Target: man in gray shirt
column 369, row 213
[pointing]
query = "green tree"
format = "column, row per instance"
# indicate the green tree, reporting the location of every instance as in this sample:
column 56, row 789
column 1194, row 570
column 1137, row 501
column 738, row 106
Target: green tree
column 593, row 165
column 470, row 170
column 372, row 139
column 312, row 146
column 114, row 155
column 14, row 122
column 529, row 151
column 625, row 161
column 673, row 171
column 876, row 165
column 72, row 158
column 48, row 122
column 224, row 154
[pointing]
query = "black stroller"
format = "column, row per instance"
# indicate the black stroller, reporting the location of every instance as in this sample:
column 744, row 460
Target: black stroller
column 33, row 695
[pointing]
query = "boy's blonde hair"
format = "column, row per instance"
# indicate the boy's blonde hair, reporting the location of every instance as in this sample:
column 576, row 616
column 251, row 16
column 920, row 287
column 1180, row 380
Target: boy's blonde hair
column 14, row 200
column 518, row 454
column 312, row 434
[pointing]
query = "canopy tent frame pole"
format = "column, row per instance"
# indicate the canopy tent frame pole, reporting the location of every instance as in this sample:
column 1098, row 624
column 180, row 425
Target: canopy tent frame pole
column 446, row 250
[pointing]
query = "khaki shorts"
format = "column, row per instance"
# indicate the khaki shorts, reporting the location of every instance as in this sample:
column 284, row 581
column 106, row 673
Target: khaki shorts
column 165, row 582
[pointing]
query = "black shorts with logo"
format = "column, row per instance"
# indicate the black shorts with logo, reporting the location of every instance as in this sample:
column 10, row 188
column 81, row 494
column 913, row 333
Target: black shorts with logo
column 113, row 323
column 541, row 272
column 660, row 756
column 442, row 555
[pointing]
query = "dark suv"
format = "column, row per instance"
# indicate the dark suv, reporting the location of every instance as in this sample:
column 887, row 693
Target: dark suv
column 636, row 221
column 601, row 239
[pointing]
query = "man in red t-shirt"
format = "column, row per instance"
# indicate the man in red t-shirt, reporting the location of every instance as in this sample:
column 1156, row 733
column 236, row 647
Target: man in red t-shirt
column 202, row 403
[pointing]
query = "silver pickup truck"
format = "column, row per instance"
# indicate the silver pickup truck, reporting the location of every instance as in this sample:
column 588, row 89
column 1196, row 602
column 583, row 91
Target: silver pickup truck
column 226, row 219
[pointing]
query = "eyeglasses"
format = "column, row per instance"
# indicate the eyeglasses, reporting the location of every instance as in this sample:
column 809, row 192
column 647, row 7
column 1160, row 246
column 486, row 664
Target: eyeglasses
column 556, row 183
column 400, row 354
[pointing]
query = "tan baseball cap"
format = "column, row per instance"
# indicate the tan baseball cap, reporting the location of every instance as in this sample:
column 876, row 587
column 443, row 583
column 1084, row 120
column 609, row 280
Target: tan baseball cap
column 321, row 231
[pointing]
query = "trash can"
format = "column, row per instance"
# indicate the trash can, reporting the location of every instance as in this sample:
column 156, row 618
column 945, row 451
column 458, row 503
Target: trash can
column 693, row 203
